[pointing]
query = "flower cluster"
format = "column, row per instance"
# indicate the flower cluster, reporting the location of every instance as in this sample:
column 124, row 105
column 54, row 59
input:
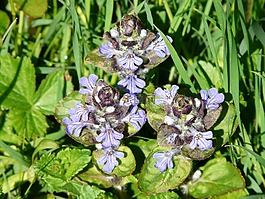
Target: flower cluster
column 183, row 123
column 133, row 50
column 103, row 118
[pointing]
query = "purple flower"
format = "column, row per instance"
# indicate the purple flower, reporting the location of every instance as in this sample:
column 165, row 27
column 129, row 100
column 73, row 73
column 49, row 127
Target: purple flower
column 132, row 84
column 74, row 126
column 107, row 49
column 128, row 100
column 164, row 160
column 166, row 96
column 82, row 111
column 136, row 118
column 110, row 137
column 159, row 46
column 212, row 98
column 200, row 140
column 130, row 61
column 109, row 159
column 89, row 84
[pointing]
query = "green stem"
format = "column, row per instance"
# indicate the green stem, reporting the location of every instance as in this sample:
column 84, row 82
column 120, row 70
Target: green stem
column 20, row 30
column 55, row 8
column 13, row 12
column 87, row 3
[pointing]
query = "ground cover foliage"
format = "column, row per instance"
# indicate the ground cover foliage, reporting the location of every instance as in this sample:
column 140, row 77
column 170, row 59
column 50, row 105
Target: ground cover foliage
column 159, row 99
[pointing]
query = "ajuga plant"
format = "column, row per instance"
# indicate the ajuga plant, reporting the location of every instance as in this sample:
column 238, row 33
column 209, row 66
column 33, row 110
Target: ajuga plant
column 188, row 128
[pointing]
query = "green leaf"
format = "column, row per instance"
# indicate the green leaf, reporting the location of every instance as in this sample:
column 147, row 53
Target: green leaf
column 257, row 157
column 74, row 160
column 17, row 90
column 44, row 144
column 88, row 191
column 52, row 184
column 7, row 133
column 14, row 154
column 218, row 177
column 94, row 176
column 259, row 32
column 197, row 154
column 128, row 179
column 4, row 23
column 151, row 180
column 149, row 89
column 66, row 164
column 50, row 91
column 238, row 194
column 126, row 165
column 77, row 188
column 155, row 113
column 17, row 82
column 12, row 181
column 145, row 146
column 131, row 130
column 226, row 124
column 212, row 74
column 96, row 59
column 48, row 166
column 34, row 8
column 62, row 108
column 28, row 123
column 165, row 195
column 80, row 189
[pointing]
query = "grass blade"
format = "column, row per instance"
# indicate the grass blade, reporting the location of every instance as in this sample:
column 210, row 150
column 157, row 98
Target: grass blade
column 178, row 64
column 14, row 154
column 149, row 14
column 109, row 13
column 258, row 157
